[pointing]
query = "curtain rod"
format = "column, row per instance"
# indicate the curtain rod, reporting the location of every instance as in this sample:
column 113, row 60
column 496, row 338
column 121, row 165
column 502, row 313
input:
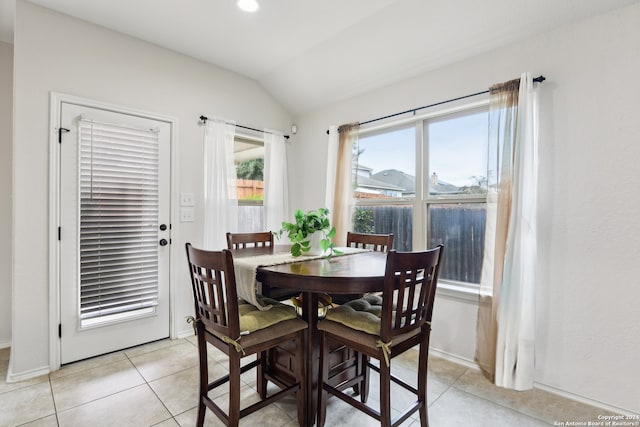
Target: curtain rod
column 538, row 79
column 205, row 118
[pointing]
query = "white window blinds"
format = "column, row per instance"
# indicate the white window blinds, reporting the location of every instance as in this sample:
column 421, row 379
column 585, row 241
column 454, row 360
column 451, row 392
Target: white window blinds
column 119, row 220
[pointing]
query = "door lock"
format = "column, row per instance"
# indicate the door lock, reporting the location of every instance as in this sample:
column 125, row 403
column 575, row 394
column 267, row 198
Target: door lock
column 163, row 242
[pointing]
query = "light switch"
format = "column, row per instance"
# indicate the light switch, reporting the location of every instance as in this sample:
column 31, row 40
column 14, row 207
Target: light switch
column 186, row 199
column 186, row 215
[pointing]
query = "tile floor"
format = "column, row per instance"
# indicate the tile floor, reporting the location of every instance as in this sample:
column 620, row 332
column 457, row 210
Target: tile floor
column 156, row 385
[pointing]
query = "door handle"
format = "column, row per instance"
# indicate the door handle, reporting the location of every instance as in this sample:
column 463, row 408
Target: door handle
column 163, row 242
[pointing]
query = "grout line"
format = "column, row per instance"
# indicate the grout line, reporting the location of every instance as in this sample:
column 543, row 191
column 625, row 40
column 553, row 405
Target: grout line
column 53, row 399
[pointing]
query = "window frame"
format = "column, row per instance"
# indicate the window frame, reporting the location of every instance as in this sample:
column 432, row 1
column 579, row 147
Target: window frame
column 423, row 199
column 258, row 142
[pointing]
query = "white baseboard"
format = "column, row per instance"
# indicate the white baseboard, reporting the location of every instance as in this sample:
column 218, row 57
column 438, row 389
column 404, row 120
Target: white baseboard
column 454, row 358
column 26, row 375
column 571, row 396
column 5, row 344
column 185, row 333
column 585, row 400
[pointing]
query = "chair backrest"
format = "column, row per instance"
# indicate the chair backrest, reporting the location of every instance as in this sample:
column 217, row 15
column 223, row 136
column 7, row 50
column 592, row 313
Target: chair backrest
column 248, row 240
column 414, row 277
column 377, row 242
column 214, row 291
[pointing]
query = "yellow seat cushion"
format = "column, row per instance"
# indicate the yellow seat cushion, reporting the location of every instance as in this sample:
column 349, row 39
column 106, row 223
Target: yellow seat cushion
column 362, row 314
column 252, row 319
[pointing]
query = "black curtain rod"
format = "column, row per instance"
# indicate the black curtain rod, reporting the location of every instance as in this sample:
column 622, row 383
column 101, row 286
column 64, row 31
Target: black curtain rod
column 205, row 118
column 538, row 79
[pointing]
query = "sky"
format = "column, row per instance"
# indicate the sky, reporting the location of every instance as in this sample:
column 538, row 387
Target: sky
column 458, row 149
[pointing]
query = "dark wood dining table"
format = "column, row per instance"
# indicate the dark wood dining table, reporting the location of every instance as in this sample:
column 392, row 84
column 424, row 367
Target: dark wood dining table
column 356, row 273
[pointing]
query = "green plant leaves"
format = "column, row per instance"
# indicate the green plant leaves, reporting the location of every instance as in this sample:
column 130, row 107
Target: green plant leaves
column 306, row 224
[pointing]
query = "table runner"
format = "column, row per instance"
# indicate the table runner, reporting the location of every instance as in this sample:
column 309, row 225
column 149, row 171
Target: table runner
column 246, row 267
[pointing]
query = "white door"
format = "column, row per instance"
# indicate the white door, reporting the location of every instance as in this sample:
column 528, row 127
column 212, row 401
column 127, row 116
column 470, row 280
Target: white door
column 114, row 230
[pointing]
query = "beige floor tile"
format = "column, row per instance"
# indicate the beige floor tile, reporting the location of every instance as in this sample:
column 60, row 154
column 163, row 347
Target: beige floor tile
column 135, row 407
column 50, row 421
column 5, row 353
column 167, row 423
column 152, row 346
column 342, row 414
column 166, row 361
column 179, row 392
column 26, row 404
column 82, row 387
column 444, row 370
column 537, row 403
column 457, row 408
column 270, row 416
column 87, row 364
column 400, row 397
column 8, row 387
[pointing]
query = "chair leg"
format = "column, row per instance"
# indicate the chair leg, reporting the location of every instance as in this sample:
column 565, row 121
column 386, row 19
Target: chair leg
column 364, row 385
column 324, row 378
column 204, row 374
column 385, row 394
column 300, row 379
column 234, row 388
column 260, row 375
column 423, row 360
column 201, row 412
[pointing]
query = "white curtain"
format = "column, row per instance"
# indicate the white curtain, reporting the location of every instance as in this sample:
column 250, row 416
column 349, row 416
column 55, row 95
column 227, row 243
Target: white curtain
column 506, row 317
column 276, row 187
column 220, row 193
column 342, row 180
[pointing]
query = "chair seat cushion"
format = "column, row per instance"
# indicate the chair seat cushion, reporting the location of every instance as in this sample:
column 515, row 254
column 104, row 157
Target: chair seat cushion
column 342, row 333
column 252, row 319
column 362, row 314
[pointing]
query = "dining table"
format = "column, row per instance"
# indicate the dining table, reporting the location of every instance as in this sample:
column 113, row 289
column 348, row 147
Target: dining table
column 351, row 273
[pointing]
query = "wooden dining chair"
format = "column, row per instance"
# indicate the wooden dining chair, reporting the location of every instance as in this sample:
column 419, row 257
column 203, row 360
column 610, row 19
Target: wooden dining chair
column 345, row 363
column 261, row 239
column 376, row 242
column 249, row 240
column 405, row 321
column 239, row 330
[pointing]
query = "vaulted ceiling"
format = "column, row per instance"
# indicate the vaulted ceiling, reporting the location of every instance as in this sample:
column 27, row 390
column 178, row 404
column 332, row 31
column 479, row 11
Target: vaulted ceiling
column 311, row 53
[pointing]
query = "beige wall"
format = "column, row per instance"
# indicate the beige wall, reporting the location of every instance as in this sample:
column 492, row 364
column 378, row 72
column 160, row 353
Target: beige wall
column 588, row 316
column 54, row 52
column 6, row 114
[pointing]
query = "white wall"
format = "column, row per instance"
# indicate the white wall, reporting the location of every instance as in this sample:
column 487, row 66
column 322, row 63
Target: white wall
column 588, row 311
column 54, row 52
column 6, row 114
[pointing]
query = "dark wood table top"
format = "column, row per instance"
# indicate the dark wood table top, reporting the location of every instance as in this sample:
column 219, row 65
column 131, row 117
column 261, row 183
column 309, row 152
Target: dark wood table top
column 357, row 273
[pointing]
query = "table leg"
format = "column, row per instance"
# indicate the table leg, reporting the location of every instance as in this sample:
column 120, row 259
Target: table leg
column 312, row 354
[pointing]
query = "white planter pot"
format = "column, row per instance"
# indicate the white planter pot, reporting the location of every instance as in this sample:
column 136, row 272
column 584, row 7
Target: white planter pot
column 314, row 245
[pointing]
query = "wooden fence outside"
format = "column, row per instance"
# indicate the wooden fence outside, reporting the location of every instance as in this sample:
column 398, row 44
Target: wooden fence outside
column 250, row 189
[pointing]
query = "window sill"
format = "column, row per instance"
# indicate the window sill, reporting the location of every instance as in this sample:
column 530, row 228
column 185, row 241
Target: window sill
column 460, row 291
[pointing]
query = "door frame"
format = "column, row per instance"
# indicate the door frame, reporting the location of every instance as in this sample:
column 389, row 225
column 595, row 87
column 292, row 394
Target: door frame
column 56, row 100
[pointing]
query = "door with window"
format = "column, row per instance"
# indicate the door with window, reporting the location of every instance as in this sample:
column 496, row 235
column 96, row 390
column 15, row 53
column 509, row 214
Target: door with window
column 114, row 230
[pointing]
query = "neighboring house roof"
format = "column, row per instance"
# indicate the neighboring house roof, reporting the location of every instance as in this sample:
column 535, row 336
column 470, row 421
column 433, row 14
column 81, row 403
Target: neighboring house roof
column 444, row 188
column 393, row 179
column 398, row 179
column 367, row 182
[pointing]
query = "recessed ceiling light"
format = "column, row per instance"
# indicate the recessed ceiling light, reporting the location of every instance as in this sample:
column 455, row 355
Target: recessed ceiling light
column 248, row 5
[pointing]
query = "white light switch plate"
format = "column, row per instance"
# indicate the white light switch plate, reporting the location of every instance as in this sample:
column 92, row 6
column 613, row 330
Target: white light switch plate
column 186, row 215
column 186, row 199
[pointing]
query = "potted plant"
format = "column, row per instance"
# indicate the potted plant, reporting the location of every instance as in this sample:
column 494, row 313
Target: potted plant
column 312, row 225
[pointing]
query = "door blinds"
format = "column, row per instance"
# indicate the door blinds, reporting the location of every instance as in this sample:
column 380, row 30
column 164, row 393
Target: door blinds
column 118, row 220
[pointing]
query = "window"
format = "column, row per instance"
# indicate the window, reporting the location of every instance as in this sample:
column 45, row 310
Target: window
column 426, row 182
column 248, row 156
column 385, row 184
